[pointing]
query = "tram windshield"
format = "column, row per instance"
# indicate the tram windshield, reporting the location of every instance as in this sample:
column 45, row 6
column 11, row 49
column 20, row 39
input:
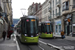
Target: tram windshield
column 47, row 27
column 30, row 27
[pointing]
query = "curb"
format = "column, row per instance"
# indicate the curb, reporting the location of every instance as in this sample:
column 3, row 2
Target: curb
column 18, row 48
column 58, row 48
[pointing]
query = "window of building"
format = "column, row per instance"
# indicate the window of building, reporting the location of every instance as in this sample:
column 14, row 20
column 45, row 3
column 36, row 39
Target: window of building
column 53, row 3
column 53, row 13
column 66, row 5
column 56, row 12
column 73, row 3
column 73, row 18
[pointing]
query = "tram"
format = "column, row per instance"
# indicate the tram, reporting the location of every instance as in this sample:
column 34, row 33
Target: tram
column 29, row 29
column 46, row 30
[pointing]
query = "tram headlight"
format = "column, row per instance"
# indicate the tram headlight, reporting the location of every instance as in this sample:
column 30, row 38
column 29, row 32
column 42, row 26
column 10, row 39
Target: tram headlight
column 25, row 34
column 37, row 35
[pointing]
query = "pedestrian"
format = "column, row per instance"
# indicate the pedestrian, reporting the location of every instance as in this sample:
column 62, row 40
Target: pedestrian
column 4, row 35
column 62, row 34
column 9, row 33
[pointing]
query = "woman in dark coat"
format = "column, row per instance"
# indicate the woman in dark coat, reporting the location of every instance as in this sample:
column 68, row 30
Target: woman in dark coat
column 9, row 34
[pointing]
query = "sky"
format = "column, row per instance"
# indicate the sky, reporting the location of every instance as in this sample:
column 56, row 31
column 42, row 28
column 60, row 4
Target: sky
column 17, row 5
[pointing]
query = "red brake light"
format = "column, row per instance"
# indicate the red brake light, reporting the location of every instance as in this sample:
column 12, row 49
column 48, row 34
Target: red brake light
column 51, row 32
column 45, row 32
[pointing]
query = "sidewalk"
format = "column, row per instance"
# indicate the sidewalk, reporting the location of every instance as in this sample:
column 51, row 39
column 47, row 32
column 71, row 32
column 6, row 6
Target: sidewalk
column 8, row 44
column 66, row 37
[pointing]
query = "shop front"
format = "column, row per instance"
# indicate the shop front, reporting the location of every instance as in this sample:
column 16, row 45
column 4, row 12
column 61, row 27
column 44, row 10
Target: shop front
column 68, row 25
column 57, row 27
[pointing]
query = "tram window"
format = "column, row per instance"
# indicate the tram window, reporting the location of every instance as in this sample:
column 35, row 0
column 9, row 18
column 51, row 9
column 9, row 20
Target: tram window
column 31, row 26
column 47, row 28
column 25, row 27
column 42, row 27
column 51, row 27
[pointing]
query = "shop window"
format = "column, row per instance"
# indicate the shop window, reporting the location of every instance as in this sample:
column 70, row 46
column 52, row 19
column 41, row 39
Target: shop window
column 73, row 18
column 56, row 28
column 65, row 28
column 70, row 28
column 59, row 28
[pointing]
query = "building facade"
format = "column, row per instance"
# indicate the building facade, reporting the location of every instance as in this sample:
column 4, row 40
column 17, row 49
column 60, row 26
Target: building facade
column 68, row 12
column 33, row 8
column 55, row 17
column 5, row 15
column 61, row 13
column 45, row 11
column 39, row 14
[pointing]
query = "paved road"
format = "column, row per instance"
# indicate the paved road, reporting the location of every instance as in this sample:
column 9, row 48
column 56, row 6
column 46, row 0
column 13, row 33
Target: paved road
column 39, row 46
column 63, row 43
column 7, row 45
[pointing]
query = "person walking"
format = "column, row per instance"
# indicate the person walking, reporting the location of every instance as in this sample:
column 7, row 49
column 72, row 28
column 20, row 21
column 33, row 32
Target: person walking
column 4, row 35
column 9, row 33
column 62, row 35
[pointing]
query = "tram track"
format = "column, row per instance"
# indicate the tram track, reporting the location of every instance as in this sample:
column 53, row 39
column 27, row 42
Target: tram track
column 29, row 48
column 34, row 47
column 39, row 46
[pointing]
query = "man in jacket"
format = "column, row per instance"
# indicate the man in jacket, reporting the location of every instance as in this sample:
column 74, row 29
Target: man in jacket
column 4, row 35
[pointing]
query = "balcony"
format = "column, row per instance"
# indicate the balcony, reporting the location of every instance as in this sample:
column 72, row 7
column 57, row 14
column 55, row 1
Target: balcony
column 73, row 8
column 50, row 9
column 50, row 1
column 66, row 10
column 58, row 14
column 49, row 18
column 58, row 3
column 65, row 0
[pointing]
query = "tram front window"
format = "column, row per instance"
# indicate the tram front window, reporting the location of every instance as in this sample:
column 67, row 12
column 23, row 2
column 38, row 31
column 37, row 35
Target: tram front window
column 47, row 29
column 31, row 28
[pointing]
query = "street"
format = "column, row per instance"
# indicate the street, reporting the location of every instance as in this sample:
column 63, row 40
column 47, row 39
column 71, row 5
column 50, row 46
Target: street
column 48, row 44
column 39, row 46
column 65, row 44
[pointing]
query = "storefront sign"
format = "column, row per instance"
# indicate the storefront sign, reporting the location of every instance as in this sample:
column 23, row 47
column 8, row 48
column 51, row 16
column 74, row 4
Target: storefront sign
column 58, row 23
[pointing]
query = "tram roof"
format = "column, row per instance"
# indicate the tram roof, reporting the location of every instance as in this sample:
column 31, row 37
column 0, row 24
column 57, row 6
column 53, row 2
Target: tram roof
column 29, row 17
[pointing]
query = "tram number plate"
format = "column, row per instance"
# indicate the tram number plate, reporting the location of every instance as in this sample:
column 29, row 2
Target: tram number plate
column 31, row 39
